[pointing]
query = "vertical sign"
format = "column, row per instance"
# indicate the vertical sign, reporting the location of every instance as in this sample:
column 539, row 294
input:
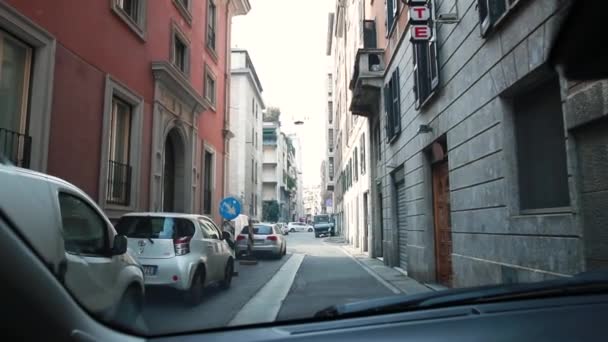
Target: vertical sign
column 420, row 13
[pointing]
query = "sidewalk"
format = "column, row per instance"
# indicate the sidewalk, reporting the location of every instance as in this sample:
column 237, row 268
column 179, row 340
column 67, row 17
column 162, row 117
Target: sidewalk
column 392, row 278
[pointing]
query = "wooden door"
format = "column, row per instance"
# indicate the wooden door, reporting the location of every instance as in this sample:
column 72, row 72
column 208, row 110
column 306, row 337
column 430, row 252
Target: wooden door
column 443, row 227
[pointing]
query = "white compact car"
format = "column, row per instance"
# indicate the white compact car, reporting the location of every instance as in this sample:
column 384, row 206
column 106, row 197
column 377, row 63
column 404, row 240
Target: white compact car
column 73, row 235
column 183, row 251
column 299, row 227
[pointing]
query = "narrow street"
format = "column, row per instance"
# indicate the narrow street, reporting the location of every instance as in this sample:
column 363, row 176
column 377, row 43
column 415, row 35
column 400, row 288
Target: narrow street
column 324, row 276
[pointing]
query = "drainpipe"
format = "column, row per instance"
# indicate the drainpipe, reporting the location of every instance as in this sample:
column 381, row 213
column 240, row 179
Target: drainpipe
column 227, row 136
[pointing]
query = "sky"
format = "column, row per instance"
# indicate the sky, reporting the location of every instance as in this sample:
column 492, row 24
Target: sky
column 286, row 41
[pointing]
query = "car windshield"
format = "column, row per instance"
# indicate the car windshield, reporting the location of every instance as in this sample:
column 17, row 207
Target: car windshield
column 321, row 219
column 154, row 227
column 259, row 229
column 381, row 148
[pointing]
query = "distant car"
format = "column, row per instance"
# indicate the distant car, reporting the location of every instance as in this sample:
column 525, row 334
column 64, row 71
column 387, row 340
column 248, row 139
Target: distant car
column 299, row 227
column 182, row 251
column 76, row 240
column 267, row 238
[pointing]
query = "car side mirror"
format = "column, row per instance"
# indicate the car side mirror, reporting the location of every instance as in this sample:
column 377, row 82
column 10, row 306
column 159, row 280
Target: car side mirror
column 226, row 236
column 120, row 245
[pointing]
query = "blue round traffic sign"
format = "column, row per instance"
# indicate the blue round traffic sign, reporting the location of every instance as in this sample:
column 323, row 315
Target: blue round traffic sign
column 230, row 208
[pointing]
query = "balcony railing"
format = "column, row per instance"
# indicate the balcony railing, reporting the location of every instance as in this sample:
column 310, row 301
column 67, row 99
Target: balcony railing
column 16, row 147
column 119, row 183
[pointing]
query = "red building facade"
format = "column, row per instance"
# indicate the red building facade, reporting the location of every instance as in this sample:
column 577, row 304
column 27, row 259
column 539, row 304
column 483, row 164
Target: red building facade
column 124, row 98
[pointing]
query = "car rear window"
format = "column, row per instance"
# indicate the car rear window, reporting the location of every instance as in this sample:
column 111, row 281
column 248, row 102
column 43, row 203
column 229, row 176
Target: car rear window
column 154, row 227
column 258, row 230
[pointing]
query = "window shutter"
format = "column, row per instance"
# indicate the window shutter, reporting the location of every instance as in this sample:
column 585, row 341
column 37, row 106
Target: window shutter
column 415, row 86
column 484, row 18
column 387, row 108
column 496, row 8
column 396, row 103
column 389, row 15
column 434, row 65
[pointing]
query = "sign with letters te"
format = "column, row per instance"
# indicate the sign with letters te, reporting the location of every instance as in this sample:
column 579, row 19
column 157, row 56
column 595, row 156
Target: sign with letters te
column 420, row 14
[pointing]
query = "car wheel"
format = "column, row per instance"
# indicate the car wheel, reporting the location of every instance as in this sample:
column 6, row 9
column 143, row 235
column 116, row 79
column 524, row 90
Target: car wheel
column 225, row 283
column 317, row 235
column 195, row 292
column 292, row 230
column 130, row 306
column 309, row 230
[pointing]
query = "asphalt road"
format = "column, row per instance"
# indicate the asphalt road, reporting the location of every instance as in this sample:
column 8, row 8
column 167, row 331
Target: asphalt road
column 327, row 276
column 319, row 275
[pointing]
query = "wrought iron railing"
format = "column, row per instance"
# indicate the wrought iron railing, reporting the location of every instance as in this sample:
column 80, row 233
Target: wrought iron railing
column 119, row 183
column 15, row 147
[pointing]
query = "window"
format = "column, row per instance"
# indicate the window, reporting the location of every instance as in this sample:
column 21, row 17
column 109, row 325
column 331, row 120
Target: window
column 356, row 163
column 491, row 12
column 330, row 85
column 330, row 139
column 541, row 148
column 426, row 68
column 133, row 13
column 378, row 142
column 184, row 8
column 210, row 89
column 119, row 170
column 392, row 105
column 330, row 112
column 207, row 182
column 391, row 8
column 211, row 24
column 252, row 170
column 331, row 168
column 15, row 68
column 147, row 227
column 209, row 231
column 362, row 146
column 253, row 106
column 84, row 231
column 180, row 54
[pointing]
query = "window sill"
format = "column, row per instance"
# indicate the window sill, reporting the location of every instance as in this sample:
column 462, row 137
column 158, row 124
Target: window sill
column 211, row 105
column 212, row 52
column 185, row 12
column 426, row 101
column 546, row 211
column 136, row 28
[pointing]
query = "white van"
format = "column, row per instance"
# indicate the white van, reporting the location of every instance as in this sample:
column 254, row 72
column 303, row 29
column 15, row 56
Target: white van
column 77, row 241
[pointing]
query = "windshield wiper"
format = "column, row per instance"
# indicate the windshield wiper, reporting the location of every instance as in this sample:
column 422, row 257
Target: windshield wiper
column 586, row 283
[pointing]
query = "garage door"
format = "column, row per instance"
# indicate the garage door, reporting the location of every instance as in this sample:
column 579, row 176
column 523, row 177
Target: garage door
column 399, row 177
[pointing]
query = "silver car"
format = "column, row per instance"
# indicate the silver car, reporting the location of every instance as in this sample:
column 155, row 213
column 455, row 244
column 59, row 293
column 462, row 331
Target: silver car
column 182, row 251
column 267, row 238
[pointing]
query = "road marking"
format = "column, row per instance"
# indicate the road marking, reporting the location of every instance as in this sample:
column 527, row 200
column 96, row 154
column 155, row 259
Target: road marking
column 265, row 305
column 372, row 273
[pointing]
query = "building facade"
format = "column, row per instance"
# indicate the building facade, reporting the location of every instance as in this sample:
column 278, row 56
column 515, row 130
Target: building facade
column 279, row 172
column 246, row 116
column 484, row 160
column 345, row 38
column 143, row 130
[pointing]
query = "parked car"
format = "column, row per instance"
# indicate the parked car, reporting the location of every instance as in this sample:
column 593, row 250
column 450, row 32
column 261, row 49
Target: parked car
column 299, row 227
column 183, row 251
column 267, row 238
column 76, row 240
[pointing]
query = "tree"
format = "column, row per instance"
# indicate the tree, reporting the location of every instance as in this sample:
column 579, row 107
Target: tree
column 272, row 114
column 270, row 211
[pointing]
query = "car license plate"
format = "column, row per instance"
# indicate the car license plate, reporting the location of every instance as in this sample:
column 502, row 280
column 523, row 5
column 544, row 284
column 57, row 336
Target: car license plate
column 149, row 270
column 258, row 241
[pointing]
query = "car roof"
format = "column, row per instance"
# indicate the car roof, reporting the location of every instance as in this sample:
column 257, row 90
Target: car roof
column 35, row 175
column 167, row 214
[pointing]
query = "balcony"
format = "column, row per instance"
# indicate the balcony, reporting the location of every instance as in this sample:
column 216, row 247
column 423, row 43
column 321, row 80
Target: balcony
column 367, row 82
column 15, row 147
